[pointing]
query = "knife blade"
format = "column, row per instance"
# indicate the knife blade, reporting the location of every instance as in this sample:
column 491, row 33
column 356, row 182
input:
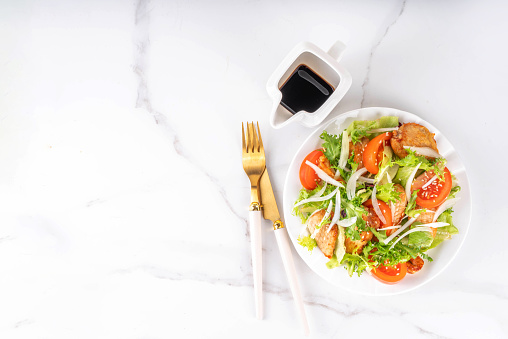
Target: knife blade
column 271, row 212
column 269, row 209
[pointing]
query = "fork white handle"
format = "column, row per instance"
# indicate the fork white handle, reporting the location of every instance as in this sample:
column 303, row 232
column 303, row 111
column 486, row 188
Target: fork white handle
column 281, row 235
column 257, row 260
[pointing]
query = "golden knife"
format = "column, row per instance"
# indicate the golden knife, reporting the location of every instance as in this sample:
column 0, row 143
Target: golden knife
column 271, row 212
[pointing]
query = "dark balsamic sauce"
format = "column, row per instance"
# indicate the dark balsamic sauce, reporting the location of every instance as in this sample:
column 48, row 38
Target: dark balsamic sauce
column 304, row 90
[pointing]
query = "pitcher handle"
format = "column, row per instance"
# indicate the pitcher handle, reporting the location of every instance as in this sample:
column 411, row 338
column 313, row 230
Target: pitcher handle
column 337, row 50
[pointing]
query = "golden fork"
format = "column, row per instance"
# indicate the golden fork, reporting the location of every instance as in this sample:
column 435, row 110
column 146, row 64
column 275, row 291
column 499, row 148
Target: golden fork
column 253, row 160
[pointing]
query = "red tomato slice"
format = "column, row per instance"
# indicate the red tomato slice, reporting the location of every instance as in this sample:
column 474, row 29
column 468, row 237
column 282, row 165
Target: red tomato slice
column 390, row 274
column 385, row 210
column 435, row 193
column 308, row 176
column 370, row 154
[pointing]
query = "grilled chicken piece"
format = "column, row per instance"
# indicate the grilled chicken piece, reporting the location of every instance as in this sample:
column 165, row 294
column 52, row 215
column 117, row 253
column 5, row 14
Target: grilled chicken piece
column 356, row 246
column 324, row 164
column 358, row 148
column 324, row 239
column 400, row 205
column 426, row 217
column 371, row 218
column 414, row 265
column 411, row 134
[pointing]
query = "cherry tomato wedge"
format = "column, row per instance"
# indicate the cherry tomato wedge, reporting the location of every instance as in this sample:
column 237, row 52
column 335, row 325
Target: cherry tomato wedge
column 435, row 193
column 370, row 154
column 308, row 176
column 385, row 210
column 390, row 274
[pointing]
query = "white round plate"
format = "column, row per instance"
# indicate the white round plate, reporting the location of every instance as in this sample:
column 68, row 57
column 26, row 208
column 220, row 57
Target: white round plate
column 365, row 284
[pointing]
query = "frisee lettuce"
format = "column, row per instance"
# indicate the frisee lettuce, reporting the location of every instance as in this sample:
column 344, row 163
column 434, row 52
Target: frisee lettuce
column 331, row 147
column 387, row 192
column 355, row 263
column 334, row 262
column 307, row 242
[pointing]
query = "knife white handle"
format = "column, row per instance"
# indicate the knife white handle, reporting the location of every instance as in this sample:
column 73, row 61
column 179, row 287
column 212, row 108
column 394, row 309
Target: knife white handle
column 257, row 260
column 287, row 259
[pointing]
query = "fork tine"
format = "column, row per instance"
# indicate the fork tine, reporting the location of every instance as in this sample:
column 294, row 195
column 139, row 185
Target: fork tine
column 260, row 141
column 254, row 138
column 244, row 150
column 251, row 134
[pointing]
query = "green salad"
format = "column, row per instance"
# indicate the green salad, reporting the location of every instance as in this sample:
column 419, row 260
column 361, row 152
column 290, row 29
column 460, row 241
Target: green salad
column 376, row 197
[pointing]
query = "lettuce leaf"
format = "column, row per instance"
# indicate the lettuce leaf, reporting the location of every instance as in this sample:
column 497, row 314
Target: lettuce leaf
column 446, row 232
column 403, row 175
column 303, row 211
column 453, row 192
column 359, row 128
column 334, row 262
column 409, row 162
column 386, row 164
column 354, row 210
column 421, row 239
column 387, row 193
column 332, row 145
column 411, row 205
column 307, row 242
column 355, row 263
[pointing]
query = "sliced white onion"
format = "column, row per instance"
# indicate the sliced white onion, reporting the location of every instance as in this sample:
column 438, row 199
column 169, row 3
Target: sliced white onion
column 316, row 231
column 392, row 206
column 389, row 228
column 382, row 130
column 376, row 206
column 344, row 152
column 320, row 192
column 402, row 228
column 429, row 182
column 326, row 197
column 336, row 215
column 416, row 229
column 327, row 214
column 410, row 181
column 328, row 211
column 367, row 180
column 351, row 183
column 347, row 222
column 323, row 176
column 436, row 224
column 305, row 232
column 425, row 151
column 444, row 206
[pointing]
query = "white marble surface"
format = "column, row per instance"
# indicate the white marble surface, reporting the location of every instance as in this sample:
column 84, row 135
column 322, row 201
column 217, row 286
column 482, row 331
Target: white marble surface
column 123, row 203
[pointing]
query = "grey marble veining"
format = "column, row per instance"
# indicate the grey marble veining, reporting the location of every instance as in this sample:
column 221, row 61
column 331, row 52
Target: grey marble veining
column 376, row 45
